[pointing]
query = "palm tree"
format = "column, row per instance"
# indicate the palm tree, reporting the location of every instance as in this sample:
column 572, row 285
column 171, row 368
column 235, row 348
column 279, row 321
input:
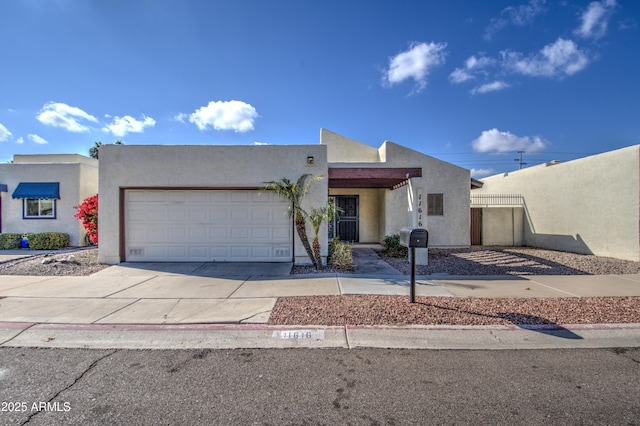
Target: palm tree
column 316, row 217
column 94, row 151
column 295, row 192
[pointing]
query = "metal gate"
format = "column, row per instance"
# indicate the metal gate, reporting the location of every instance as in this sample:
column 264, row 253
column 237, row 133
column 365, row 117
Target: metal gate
column 476, row 226
column 347, row 220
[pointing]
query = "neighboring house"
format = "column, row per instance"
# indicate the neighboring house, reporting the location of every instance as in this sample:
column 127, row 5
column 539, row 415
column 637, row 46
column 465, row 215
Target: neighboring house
column 204, row 203
column 38, row 193
column 590, row 205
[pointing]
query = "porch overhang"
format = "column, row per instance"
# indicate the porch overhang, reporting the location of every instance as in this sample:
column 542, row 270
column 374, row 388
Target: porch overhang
column 372, row 177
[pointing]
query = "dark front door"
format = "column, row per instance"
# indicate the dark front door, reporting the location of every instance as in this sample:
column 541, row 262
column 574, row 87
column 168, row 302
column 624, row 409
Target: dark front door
column 347, row 220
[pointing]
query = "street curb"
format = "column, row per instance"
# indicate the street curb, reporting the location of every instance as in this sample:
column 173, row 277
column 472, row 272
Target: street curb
column 235, row 336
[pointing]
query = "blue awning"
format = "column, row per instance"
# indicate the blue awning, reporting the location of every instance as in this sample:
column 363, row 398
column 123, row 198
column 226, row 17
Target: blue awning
column 3, row 187
column 40, row 190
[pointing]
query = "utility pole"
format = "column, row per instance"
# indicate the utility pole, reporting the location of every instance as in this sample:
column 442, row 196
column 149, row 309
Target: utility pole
column 519, row 160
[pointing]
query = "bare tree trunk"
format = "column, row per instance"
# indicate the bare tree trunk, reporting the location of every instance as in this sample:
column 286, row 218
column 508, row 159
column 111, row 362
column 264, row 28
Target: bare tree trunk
column 316, row 252
column 302, row 233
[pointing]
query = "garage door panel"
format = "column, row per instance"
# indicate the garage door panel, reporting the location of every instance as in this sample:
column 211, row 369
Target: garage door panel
column 198, row 215
column 206, row 225
column 240, row 197
column 156, row 196
column 177, row 233
column 218, row 214
column 218, row 233
column 239, row 214
column 260, row 234
column 178, row 252
column 240, row 233
column 176, row 215
column 198, row 196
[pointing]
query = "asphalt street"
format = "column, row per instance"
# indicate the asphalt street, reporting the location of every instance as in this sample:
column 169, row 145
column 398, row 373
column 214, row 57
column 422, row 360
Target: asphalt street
column 319, row 386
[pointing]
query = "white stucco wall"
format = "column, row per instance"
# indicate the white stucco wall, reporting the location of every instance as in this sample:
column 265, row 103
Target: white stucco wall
column 438, row 177
column 346, row 150
column 503, row 226
column 195, row 166
column 590, row 205
column 78, row 180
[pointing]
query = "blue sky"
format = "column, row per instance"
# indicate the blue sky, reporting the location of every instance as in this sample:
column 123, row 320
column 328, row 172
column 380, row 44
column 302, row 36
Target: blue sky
column 469, row 82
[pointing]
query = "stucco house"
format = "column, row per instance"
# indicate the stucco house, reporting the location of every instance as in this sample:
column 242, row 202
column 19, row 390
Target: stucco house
column 589, row 205
column 204, row 203
column 38, row 192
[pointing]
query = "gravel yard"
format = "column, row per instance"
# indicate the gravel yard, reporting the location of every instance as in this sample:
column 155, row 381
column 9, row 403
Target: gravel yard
column 474, row 261
column 56, row 263
column 514, row 261
column 396, row 310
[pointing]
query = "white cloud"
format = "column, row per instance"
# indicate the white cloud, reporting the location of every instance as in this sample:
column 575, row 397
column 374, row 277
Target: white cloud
column 477, row 173
column 37, row 139
column 180, row 117
column 415, row 64
column 260, row 143
column 472, row 66
column 490, row 87
column 225, row 115
column 5, row 134
column 495, row 141
column 127, row 124
column 515, row 15
column 460, row 75
column 554, row 60
column 595, row 19
column 62, row 115
column 20, row 140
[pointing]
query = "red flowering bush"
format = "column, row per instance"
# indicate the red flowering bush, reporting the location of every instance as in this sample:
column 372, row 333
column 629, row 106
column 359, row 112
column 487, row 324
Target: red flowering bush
column 88, row 214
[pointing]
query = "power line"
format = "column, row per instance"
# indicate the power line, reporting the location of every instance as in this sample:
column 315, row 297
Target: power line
column 519, row 160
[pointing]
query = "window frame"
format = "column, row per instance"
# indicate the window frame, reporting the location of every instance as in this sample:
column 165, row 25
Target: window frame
column 432, row 206
column 40, row 216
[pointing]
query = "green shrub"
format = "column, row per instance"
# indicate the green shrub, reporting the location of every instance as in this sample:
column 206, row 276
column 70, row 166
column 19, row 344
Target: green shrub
column 340, row 255
column 392, row 246
column 48, row 241
column 10, row 241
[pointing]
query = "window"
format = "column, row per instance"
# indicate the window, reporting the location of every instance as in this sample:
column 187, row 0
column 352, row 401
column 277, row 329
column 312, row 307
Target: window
column 435, row 204
column 39, row 209
column 38, row 199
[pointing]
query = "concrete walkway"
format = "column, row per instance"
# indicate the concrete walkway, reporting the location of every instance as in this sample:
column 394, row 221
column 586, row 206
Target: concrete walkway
column 191, row 305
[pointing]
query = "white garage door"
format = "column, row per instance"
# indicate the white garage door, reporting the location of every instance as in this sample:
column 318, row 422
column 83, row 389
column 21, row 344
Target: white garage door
column 211, row 225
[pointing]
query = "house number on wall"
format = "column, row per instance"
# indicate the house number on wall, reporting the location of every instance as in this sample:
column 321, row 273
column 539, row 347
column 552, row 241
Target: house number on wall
column 420, row 208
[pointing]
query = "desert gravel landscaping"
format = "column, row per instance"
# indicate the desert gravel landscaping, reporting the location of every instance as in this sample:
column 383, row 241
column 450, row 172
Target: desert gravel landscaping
column 56, row 263
column 514, row 261
column 397, row 311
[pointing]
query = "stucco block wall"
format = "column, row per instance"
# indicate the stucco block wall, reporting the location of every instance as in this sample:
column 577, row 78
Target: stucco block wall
column 77, row 181
column 503, row 226
column 206, row 167
column 590, row 205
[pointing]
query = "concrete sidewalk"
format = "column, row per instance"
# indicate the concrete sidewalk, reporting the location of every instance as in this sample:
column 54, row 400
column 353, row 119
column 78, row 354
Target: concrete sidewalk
column 179, row 305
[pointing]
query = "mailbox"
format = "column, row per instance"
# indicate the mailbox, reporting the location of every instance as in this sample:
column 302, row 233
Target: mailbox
column 414, row 237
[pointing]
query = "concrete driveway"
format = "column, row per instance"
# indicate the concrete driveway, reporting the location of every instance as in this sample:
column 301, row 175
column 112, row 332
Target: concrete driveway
column 201, row 269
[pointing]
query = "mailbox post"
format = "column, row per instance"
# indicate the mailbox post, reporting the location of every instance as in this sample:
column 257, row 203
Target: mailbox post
column 413, row 238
